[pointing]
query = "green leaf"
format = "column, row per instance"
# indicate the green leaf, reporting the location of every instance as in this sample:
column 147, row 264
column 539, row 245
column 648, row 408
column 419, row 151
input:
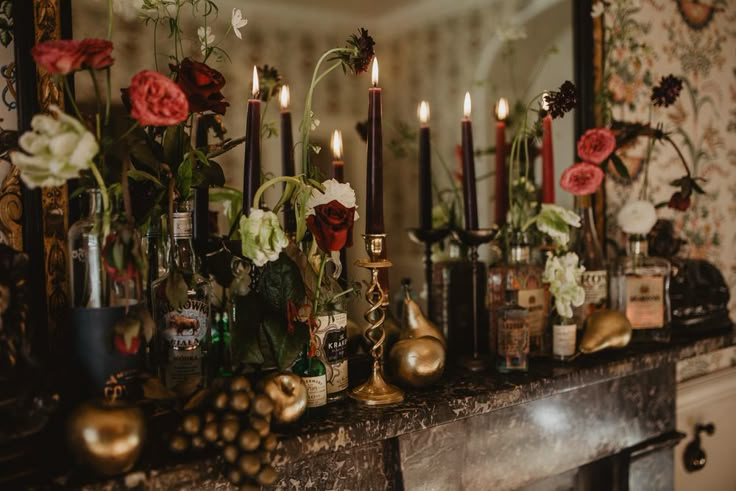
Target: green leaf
column 139, row 175
column 209, row 176
column 245, row 329
column 286, row 346
column 184, row 178
column 620, row 167
column 280, row 282
column 172, row 145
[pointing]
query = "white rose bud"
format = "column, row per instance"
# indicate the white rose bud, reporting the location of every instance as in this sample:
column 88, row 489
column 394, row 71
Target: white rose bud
column 262, row 237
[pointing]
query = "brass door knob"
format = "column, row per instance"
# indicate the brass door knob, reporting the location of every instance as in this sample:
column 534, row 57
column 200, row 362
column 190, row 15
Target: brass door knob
column 694, row 457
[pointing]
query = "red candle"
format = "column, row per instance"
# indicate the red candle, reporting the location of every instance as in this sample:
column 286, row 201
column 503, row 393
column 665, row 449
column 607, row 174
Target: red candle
column 338, row 166
column 469, row 192
column 425, row 169
column 252, row 169
column 374, row 184
column 502, row 199
column 287, row 155
column 548, row 162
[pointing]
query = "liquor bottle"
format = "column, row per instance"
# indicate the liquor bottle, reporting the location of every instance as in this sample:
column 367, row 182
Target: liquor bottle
column 586, row 245
column 332, row 341
column 525, row 279
column 512, row 335
column 640, row 289
column 86, row 275
column 311, row 369
column 184, row 331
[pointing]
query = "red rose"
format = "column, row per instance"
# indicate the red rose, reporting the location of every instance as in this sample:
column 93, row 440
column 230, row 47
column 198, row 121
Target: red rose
column 596, row 145
column 581, row 179
column 202, row 86
column 96, row 53
column 156, row 100
column 679, row 201
column 332, row 226
column 58, row 57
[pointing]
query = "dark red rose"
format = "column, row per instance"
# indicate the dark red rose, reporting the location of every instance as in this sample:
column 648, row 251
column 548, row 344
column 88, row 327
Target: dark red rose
column 202, row 85
column 332, row 226
column 581, row 179
column 96, row 53
column 58, row 57
column 679, row 201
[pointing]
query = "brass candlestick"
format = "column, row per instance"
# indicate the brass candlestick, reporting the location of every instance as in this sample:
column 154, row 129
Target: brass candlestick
column 375, row 391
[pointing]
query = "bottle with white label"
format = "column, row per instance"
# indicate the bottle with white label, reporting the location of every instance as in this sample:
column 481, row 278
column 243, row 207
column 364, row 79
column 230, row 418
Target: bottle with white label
column 314, row 374
column 183, row 330
column 332, row 341
column 640, row 289
column 564, row 338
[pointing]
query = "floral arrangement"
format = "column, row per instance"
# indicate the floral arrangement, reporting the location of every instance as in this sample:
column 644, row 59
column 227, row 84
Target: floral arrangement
column 563, row 274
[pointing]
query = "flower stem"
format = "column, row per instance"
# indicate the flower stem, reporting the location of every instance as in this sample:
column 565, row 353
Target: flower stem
column 650, row 147
column 668, row 139
column 97, row 97
column 70, row 96
column 271, row 182
column 106, row 211
column 320, row 277
column 109, row 20
column 109, row 96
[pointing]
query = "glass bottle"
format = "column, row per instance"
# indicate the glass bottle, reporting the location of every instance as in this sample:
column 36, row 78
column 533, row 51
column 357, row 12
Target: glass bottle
column 525, row 279
column 331, row 337
column 184, row 332
column 86, row 275
column 640, row 289
column 156, row 256
column 586, row 245
column 314, row 373
column 512, row 335
column 564, row 338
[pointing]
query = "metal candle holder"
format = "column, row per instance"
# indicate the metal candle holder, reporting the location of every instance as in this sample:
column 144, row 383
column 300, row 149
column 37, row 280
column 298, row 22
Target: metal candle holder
column 473, row 239
column 376, row 391
column 428, row 237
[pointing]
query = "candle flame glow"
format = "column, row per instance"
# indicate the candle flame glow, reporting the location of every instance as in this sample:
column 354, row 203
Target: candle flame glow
column 337, row 144
column 374, row 72
column 256, row 87
column 545, row 106
column 502, row 109
column 284, row 98
column 423, row 112
column 466, row 105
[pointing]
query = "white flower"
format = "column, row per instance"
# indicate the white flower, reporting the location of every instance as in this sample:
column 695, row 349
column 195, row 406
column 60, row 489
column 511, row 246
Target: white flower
column 262, row 237
column 555, row 221
column 56, row 150
column 597, row 10
column 343, row 193
column 563, row 275
column 237, row 22
column 206, row 38
column 637, row 217
column 314, row 125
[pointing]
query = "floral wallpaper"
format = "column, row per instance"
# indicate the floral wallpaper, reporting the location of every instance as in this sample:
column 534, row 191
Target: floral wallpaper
column 696, row 42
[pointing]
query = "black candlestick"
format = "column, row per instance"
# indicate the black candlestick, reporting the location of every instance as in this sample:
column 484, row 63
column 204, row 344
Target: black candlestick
column 428, row 237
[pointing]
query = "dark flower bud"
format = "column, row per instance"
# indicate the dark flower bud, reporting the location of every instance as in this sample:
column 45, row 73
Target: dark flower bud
column 358, row 53
column 667, row 91
column 679, row 201
column 561, row 101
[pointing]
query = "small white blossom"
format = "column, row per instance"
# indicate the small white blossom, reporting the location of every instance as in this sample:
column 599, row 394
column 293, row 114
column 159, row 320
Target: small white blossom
column 314, row 125
column 206, row 38
column 637, row 217
column 238, row 22
column 262, row 237
column 563, row 274
column 597, row 10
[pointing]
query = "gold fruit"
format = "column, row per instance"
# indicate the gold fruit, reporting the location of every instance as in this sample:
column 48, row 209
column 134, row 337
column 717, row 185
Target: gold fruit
column 415, row 324
column 417, row 362
column 289, row 395
column 605, row 329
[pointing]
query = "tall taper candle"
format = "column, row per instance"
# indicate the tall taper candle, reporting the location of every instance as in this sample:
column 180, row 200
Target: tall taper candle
column 548, row 162
column 287, row 155
column 338, row 174
column 252, row 169
column 425, row 169
column 469, row 193
column 502, row 199
column 374, row 179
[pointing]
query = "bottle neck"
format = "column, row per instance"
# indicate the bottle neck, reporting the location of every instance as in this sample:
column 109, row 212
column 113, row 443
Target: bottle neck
column 519, row 254
column 95, row 202
column 184, row 255
column 638, row 246
column 585, row 238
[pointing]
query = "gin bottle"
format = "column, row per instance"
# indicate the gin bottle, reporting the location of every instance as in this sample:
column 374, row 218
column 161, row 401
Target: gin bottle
column 640, row 289
column 586, row 245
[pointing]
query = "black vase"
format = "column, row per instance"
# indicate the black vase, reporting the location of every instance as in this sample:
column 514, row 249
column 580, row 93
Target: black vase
column 104, row 370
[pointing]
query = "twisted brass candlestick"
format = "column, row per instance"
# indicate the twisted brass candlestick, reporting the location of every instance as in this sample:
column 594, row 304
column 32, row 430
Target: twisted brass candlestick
column 375, row 391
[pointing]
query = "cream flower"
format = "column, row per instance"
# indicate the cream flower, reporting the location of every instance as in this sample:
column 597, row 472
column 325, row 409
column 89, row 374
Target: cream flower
column 56, row 149
column 334, row 191
column 262, row 237
column 206, row 38
column 597, row 10
column 637, row 217
column 563, row 274
column 238, row 22
column 555, row 221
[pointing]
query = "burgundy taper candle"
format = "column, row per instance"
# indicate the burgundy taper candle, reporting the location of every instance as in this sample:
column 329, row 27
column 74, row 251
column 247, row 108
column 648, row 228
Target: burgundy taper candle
column 374, row 178
column 501, row 198
column 425, row 169
column 252, row 168
column 469, row 192
column 548, row 162
column 287, row 155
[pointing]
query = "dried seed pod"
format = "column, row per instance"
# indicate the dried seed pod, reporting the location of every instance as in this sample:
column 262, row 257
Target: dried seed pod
column 262, row 405
column 269, row 442
column 239, row 402
column 234, row 475
column 198, row 442
column 229, row 430
column 179, row 443
column 260, row 425
column 191, row 424
column 249, row 440
column 267, row 476
column 249, row 464
column 221, row 401
column 210, row 432
column 231, row 453
column 239, row 383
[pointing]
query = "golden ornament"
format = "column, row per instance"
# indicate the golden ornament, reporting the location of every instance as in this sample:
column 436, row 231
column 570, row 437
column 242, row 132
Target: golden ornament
column 289, row 395
column 605, row 329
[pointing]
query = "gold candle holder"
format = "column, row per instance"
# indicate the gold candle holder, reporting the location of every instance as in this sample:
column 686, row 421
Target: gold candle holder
column 376, row 391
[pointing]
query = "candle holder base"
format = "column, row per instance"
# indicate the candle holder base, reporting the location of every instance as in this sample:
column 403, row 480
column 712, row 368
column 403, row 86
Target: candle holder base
column 474, row 364
column 376, row 391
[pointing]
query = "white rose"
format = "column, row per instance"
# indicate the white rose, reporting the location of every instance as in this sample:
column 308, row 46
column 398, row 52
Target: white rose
column 343, row 193
column 262, row 237
column 637, row 217
column 55, row 150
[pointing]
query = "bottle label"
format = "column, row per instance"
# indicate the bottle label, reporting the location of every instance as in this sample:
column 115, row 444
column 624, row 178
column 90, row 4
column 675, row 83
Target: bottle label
column 595, row 284
column 535, row 302
column 184, row 334
column 182, row 225
column 645, row 301
column 332, row 341
column 513, row 338
column 563, row 339
column 316, row 390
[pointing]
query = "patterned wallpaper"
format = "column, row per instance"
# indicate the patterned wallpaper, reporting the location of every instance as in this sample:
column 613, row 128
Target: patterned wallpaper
column 697, row 43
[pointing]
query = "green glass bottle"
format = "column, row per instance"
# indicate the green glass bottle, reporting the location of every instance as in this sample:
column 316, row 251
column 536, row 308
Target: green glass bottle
column 312, row 370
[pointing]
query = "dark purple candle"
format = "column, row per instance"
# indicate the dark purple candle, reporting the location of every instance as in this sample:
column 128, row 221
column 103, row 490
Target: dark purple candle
column 287, row 155
column 252, row 170
column 469, row 193
column 425, row 169
column 374, row 180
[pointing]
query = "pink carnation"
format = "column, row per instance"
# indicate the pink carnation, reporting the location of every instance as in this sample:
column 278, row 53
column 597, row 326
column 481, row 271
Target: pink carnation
column 96, row 53
column 156, row 100
column 596, row 145
column 581, row 179
column 58, row 57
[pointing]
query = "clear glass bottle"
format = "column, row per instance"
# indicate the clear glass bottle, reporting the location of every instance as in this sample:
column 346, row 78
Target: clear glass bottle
column 314, row 373
column 586, row 245
column 513, row 336
column 156, row 256
column 86, row 275
column 331, row 337
column 640, row 289
column 184, row 332
column 525, row 279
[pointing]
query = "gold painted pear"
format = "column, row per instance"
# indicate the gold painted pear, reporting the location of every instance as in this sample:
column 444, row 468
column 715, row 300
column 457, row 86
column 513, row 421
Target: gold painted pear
column 605, row 329
column 417, row 362
column 415, row 323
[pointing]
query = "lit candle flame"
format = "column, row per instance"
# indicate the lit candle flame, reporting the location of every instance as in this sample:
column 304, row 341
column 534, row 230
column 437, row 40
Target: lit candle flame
column 284, row 97
column 423, row 112
column 337, row 144
column 374, row 72
column 502, row 109
column 545, row 106
column 256, row 87
column 466, row 105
